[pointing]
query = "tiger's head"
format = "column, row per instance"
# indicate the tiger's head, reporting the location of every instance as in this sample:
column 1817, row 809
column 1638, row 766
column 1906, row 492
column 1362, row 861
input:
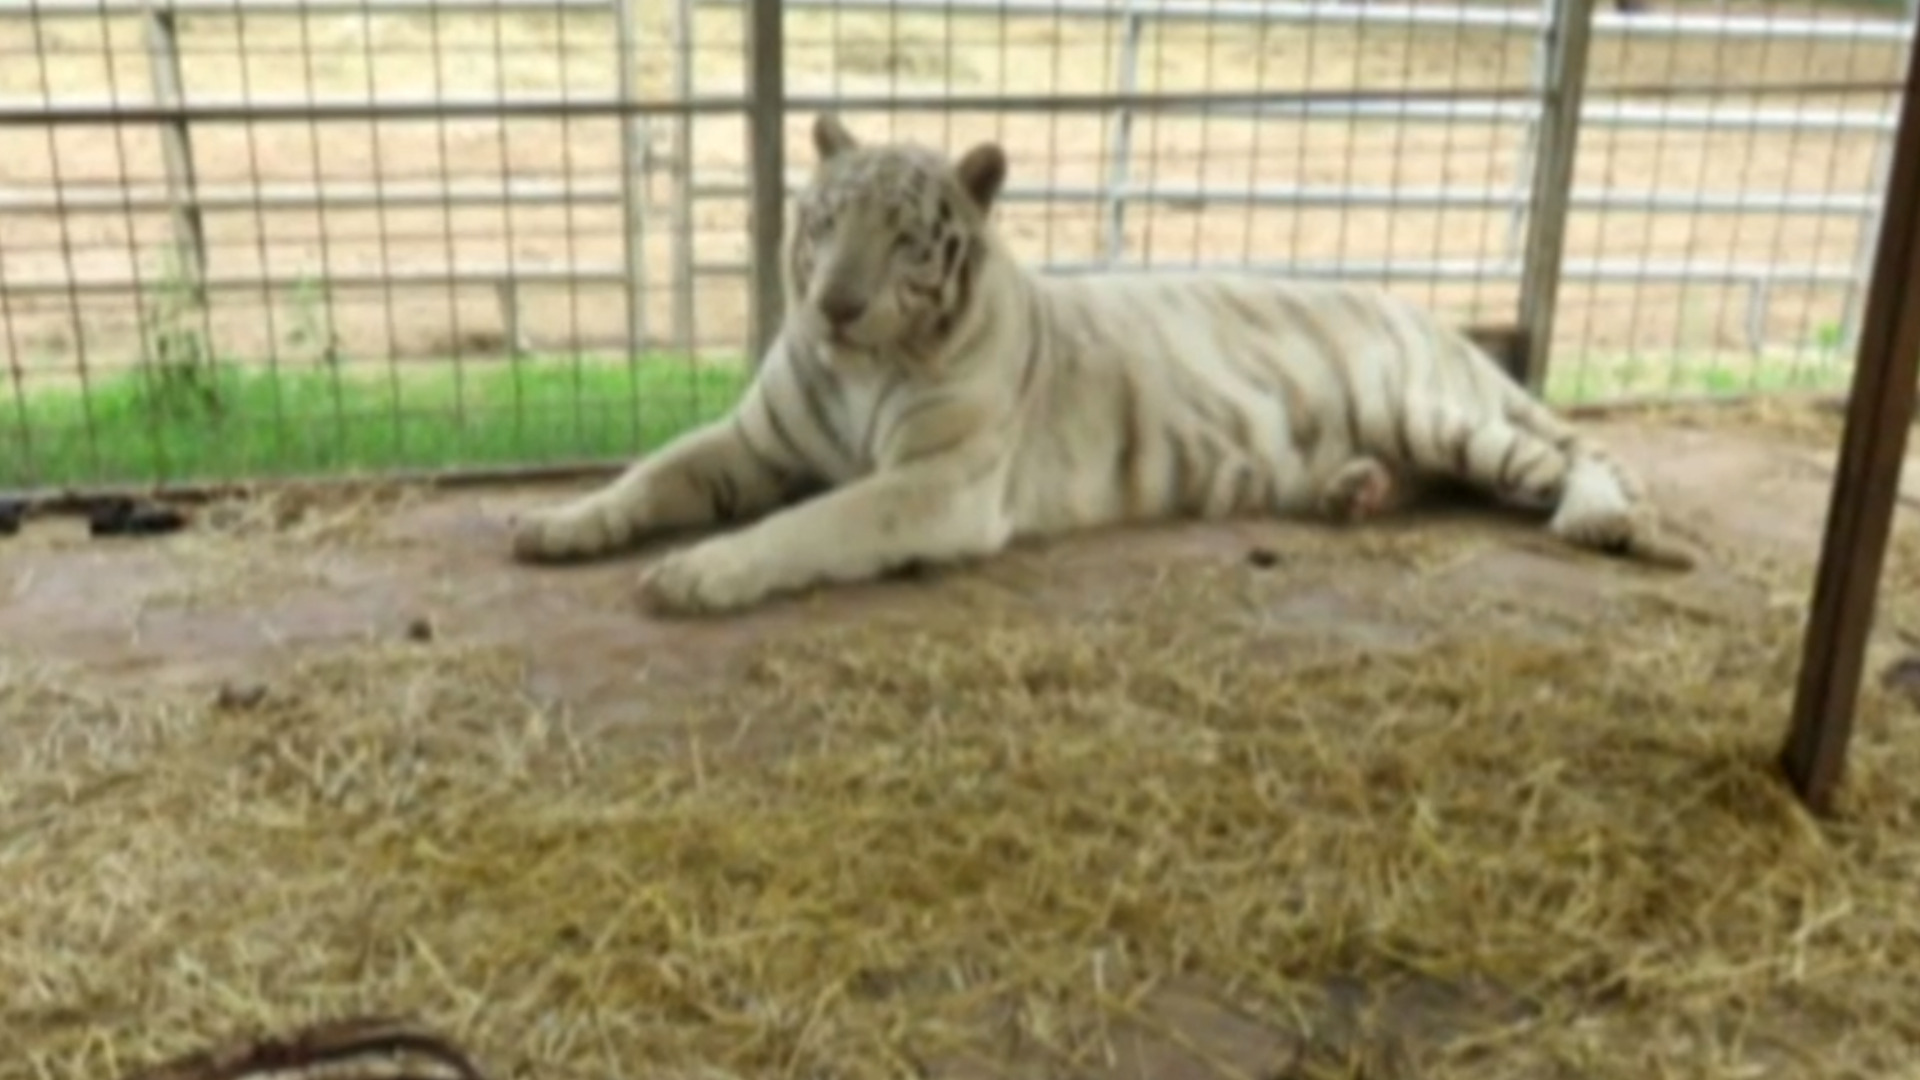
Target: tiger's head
column 887, row 245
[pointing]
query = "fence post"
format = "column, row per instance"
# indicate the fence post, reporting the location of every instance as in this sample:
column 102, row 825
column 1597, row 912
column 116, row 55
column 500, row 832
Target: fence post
column 1524, row 164
column 683, row 312
column 1866, row 482
column 634, row 157
column 1570, row 33
column 767, row 152
column 176, row 148
column 1120, row 165
column 1850, row 312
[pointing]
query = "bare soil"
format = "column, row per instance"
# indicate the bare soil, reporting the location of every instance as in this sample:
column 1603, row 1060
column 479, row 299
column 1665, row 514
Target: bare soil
column 211, row 605
column 534, row 246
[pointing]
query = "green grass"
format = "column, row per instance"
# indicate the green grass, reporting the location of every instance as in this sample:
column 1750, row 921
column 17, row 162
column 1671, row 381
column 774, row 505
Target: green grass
column 1585, row 379
column 235, row 422
column 244, row 422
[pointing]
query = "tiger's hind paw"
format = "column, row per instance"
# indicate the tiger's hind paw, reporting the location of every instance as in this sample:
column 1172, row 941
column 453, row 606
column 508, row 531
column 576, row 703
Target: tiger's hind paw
column 1361, row 489
column 1610, row 530
column 1597, row 514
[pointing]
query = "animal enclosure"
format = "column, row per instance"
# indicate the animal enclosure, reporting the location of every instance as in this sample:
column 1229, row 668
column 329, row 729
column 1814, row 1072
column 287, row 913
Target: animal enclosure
column 273, row 237
column 1242, row 800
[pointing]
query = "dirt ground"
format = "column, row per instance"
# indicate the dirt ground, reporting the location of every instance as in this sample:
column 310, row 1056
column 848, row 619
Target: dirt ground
column 183, row 616
column 193, row 611
column 536, row 244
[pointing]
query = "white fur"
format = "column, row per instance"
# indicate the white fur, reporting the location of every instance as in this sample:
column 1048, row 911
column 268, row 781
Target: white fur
column 1055, row 404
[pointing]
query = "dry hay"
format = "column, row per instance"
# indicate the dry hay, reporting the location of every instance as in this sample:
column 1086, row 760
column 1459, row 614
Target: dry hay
column 1005, row 836
column 255, row 544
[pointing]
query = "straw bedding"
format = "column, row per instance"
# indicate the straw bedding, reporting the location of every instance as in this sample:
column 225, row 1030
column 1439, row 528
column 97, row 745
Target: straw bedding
column 993, row 842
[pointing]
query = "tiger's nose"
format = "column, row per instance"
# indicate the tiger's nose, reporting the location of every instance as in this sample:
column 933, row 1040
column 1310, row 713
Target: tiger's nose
column 841, row 310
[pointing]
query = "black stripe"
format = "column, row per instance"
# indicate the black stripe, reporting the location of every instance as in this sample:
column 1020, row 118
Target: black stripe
column 809, row 385
column 963, row 278
column 868, row 447
column 1244, row 483
column 1133, row 443
column 767, row 462
column 1182, row 474
column 780, row 431
column 723, row 495
column 1500, row 476
column 1397, row 417
column 1036, row 339
column 1301, row 315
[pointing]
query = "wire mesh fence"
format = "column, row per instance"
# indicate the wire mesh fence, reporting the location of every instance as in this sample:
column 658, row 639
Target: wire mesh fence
column 249, row 238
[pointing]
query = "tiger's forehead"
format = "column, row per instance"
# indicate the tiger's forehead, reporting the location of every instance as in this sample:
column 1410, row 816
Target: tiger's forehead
column 892, row 177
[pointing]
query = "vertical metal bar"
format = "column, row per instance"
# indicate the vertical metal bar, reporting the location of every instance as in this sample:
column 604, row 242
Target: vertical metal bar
column 18, row 466
column 766, row 152
column 176, row 147
column 1570, row 33
column 1870, row 227
column 634, row 145
column 683, row 179
column 1525, row 163
column 1866, row 483
column 1119, row 166
column 1863, row 251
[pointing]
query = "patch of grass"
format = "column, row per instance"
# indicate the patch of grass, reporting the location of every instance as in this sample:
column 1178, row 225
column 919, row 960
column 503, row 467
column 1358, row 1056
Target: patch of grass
column 1578, row 379
column 247, row 421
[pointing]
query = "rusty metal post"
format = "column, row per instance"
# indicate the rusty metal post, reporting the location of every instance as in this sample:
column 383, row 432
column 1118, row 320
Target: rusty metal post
column 1866, row 483
column 767, row 151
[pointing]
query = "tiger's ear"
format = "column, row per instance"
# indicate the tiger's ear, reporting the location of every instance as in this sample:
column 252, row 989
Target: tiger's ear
column 831, row 137
column 982, row 171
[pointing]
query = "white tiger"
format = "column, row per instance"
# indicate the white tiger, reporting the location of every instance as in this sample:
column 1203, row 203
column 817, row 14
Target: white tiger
column 941, row 400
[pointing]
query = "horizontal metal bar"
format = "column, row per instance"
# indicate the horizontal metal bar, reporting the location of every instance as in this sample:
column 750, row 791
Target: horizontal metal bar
column 1339, row 12
column 397, row 278
column 20, row 109
column 81, row 499
column 1327, row 12
column 1592, row 270
column 17, row 111
column 142, row 198
column 1336, row 197
column 152, row 198
column 1664, row 118
column 1438, row 105
column 1666, row 272
column 80, row 9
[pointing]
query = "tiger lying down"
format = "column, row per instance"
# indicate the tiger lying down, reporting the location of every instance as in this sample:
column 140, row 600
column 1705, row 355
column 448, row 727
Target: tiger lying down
column 940, row 400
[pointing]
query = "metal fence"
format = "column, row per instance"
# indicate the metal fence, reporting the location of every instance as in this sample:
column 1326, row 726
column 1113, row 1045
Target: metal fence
column 257, row 237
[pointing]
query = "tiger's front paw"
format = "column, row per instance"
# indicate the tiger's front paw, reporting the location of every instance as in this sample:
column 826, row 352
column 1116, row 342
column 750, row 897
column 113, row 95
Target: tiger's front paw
column 708, row 579
column 576, row 530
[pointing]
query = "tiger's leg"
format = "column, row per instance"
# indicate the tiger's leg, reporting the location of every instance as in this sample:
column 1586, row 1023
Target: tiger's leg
column 1361, row 489
column 855, row 533
column 708, row 475
column 1490, row 453
column 1526, row 459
